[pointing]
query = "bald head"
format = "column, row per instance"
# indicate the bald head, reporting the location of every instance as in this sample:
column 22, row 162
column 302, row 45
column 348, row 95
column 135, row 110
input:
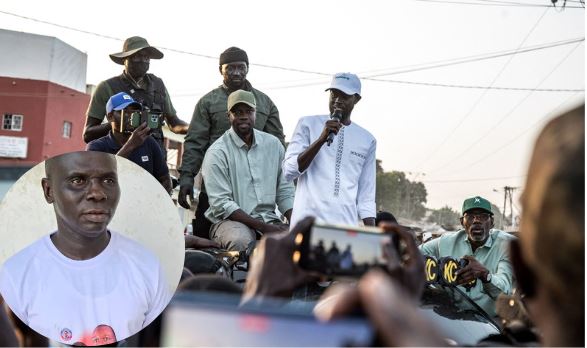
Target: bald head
column 55, row 164
column 83, row 188
column 552, row 230
column 554, row 198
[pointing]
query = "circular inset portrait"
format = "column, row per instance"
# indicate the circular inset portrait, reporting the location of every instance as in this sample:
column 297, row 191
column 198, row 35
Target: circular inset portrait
column 91, row 248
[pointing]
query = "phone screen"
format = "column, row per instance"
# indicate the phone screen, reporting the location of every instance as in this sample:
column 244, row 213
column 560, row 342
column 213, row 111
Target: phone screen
column 342, row 251
column 153, row 120
column 200, row 320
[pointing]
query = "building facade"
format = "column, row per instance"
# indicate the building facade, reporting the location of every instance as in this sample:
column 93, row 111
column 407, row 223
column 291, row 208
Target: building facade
column 43, row 101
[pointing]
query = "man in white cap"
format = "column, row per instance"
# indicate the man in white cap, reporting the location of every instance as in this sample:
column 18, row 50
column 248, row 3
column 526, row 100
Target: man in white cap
column 336, row 182
column 147, row 89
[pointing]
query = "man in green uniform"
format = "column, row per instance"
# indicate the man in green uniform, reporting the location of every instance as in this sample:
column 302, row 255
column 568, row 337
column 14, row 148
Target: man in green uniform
column 210, row 121
column 145, row 88
column 486, row 250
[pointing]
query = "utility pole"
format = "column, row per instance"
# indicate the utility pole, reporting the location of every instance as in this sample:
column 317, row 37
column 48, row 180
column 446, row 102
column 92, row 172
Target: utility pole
column 508, row 193
column 409, row 187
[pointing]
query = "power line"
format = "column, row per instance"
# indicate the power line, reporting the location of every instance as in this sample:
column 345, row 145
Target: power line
column 432, row 84
column 472, row 180
column 450, row 196
column 436, row 64
column 515, row 138
column 486, row 56
column 368, row 77
column 424, row 66
column 503, row 4
column 161, row 47
column 582, row 2
column 479, row 139
column 454, row 61
column 470, row 112
column 428, row 84
column 513, row 3
column 481, row 87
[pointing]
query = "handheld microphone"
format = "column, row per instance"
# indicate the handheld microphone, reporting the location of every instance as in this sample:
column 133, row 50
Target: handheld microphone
column 337, row 115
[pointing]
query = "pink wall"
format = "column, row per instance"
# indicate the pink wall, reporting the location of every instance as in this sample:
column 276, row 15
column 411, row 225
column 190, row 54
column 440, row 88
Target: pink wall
column 64, row 105
column 44, row 106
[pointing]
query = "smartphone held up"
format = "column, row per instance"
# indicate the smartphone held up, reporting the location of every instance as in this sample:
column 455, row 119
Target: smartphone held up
column 131, row 121
column 341, row 251
column 145, row 116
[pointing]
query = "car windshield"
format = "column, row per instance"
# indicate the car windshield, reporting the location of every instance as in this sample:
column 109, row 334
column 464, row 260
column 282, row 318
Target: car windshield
column 456, row 316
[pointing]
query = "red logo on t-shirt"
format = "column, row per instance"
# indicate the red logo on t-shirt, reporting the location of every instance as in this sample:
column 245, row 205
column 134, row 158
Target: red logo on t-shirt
column 66, row 334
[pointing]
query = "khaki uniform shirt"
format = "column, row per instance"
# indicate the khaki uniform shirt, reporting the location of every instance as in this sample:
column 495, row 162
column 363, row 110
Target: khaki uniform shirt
column 97, row 107
column 210, row 121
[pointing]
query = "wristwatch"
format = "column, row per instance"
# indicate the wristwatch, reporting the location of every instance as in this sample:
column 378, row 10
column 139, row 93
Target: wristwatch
column 487, row 278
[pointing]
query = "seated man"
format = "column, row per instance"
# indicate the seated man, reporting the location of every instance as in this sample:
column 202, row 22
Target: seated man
column 485, row 249
column 133, row 144
column 71, row 283
column 242, row 174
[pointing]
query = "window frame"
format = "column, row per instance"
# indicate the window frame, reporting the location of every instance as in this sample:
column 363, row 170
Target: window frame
column 63, row 132
column 13, row 122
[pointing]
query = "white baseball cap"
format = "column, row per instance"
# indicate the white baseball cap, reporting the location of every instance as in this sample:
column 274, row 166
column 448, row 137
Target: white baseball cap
column 347, row 83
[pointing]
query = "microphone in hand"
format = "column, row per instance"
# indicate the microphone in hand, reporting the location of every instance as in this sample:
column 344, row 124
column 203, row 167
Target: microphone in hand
column 336, row 115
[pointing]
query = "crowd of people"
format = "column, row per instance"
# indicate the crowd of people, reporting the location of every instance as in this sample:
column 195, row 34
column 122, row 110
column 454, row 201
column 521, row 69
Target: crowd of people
column 256, row 191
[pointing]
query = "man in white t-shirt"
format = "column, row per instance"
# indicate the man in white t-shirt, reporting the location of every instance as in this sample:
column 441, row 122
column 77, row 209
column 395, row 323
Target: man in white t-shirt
column 84, row 284
column 334, row 161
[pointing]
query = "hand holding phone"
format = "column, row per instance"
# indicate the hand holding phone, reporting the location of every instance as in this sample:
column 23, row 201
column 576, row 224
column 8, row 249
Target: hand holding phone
column 341, row 251
column 146, row 116
column 272, row 267
column 405, row 262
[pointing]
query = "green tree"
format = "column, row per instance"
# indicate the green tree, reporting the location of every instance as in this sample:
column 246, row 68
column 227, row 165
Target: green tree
column 400, row 196
column 449, row 218
column 446, row 217
column 378, row 168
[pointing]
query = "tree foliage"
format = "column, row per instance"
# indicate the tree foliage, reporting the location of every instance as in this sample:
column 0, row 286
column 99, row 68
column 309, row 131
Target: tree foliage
column 404, row 198
column 400, row 196
column 446, row 217
column 449, row 218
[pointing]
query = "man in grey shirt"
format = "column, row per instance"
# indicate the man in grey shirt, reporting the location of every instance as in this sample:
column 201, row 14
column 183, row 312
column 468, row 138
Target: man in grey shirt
column 242, row 174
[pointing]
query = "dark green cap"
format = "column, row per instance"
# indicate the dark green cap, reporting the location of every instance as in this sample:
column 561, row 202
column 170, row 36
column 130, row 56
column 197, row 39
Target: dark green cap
column 477, row 203
column 241, row 96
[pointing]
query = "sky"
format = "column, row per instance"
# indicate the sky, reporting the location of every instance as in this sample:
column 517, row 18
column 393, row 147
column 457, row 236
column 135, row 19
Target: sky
column 425, row 67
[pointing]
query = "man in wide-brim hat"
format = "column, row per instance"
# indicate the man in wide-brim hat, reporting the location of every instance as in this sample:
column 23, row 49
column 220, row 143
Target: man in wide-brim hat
column 133, row 45
column 147, row 89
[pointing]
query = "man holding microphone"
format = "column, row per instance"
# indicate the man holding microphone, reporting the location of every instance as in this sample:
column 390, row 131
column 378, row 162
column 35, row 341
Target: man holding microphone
column 336, row 182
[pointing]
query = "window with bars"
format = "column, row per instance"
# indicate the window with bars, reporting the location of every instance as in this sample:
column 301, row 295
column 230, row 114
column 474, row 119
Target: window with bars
column 66, row 129
column 12, row 122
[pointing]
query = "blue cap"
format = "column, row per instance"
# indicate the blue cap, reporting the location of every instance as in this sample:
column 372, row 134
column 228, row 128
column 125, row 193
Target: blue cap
column 120, row 101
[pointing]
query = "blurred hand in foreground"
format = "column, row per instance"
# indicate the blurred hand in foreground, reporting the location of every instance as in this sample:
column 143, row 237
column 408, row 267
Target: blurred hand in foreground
column 272, row 271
